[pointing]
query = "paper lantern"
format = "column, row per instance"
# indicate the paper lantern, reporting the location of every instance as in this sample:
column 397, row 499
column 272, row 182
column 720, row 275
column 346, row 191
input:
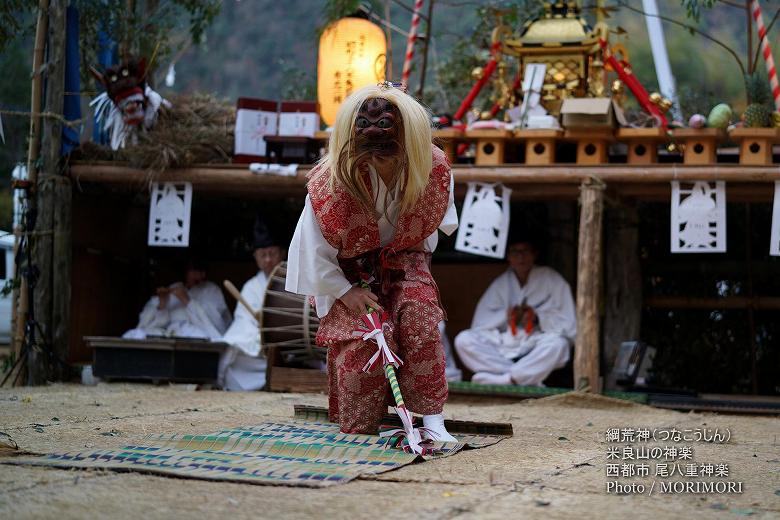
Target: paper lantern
column 352, row 55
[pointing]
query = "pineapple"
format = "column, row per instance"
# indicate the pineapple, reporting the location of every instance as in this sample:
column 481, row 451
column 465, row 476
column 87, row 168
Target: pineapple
column 758, row 113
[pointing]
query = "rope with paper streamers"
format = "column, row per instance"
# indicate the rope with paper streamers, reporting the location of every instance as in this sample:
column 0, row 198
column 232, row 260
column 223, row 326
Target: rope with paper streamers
column 766, row 51
column 410, row 42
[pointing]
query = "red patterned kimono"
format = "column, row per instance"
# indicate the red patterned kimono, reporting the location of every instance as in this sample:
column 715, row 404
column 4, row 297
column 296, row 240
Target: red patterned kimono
column 406, row 290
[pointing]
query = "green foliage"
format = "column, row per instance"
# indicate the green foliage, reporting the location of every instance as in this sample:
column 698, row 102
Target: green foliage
column 14, row 20
column 696, row 100
column 336, row 9
column 153, row 28
column 757, row 88
column 454, row 72
column 693, row 7
column 296, row 83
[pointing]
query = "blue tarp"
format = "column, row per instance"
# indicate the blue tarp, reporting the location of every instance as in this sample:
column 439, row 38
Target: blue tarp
column 72, row 106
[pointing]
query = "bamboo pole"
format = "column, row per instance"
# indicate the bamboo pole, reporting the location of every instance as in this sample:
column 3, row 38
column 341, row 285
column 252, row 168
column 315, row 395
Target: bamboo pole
column 586, row 347
column 20, row 303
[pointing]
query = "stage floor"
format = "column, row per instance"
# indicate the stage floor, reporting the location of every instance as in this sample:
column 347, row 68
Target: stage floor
column 555, row 465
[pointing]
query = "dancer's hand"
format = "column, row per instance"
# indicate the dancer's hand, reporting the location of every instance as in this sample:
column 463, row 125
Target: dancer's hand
column 358, row 300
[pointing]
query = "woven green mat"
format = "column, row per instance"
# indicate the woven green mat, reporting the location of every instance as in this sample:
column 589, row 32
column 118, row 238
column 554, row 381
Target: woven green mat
column 468, row 388
column 298, row 452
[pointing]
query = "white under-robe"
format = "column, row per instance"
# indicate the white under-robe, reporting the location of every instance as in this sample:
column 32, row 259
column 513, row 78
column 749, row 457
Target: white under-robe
column 242, row 366
column 312, row 263
column 205, row 316
column 490, row 346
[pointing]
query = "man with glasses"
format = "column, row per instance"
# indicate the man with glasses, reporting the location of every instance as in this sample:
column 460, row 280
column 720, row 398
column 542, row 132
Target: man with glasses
column 524, row 324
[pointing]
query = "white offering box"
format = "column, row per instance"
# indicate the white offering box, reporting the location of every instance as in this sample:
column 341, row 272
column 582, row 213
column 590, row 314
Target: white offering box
column 255, row 118
column 299, row 118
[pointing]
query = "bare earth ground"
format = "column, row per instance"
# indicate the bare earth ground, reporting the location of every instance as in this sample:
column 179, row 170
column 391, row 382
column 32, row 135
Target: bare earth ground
column 553, row 467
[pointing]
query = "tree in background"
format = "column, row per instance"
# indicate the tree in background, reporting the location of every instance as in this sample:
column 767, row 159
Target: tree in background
column 741, row 46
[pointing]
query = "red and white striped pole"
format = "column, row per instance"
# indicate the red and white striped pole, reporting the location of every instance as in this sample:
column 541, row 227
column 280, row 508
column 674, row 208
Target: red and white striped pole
column 410, row 43
column 767, row 52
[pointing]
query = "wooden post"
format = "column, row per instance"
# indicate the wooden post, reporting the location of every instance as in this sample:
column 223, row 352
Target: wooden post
column 586, row 347
column 62, row 254
column 40, row 367
column 623, row 286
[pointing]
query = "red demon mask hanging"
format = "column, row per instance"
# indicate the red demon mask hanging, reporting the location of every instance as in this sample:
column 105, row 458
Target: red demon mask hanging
column 129, row 105
column 125, row 85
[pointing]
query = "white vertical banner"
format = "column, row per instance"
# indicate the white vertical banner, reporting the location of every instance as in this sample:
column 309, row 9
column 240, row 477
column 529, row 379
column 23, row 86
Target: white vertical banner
column 663, row 70
column 169, row 214
column 484, row 221
column 698, row 217
column 774, row 240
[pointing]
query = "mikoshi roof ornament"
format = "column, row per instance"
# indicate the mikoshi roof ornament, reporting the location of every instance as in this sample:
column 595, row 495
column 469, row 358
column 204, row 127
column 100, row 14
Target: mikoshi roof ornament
column 128, row 104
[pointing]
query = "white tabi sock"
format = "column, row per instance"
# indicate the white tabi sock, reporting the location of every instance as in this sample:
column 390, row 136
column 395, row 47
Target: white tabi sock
column 435, row 423
column 488, row 378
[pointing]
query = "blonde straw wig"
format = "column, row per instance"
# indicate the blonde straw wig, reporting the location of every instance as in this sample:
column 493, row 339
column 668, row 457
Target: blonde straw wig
column 416, row 124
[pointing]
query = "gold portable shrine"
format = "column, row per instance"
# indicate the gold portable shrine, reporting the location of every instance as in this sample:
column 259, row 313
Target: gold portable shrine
column 568, row 46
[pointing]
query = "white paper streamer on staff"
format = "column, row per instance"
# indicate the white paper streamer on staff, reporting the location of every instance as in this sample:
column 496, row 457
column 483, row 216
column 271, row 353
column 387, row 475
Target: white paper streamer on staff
column 169, row 214
column 698, row 217
column 774, row 243
column 484, row 222
column 2, row 134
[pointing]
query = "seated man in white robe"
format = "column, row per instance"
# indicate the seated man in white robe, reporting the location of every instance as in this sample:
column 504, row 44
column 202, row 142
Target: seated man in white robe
column 451, row 370
column 242, row 366
column 194, row 308
column 524, row 324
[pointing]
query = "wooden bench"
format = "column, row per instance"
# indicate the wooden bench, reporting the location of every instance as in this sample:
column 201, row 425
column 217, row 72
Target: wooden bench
column 180, row 360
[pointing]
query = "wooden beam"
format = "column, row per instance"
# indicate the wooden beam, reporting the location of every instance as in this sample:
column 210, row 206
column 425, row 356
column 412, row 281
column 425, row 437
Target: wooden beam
column 239, row 174
column 586, row 347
